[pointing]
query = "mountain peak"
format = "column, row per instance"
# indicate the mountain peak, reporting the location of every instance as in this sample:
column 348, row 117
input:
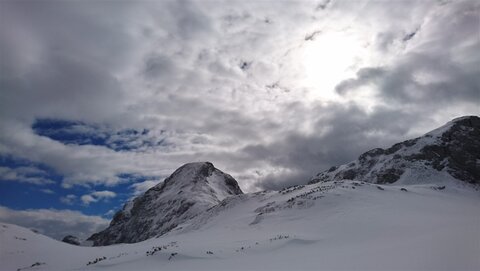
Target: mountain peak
column 202, row 178
column 451, row 151
column 191, row 172
column 196, row 166
column 467, row 120
column 470, row 122
column 190, row 190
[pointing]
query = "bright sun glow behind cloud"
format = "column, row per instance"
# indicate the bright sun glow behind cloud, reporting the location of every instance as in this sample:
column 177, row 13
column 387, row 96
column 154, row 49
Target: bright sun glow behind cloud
column 328, row 59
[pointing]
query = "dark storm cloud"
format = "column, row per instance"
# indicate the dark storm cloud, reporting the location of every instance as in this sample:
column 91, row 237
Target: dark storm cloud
column 160, row 67
column 58, row 53
column 67, row 28
column 439, row 68
column 419, row 79
column 191, row 22
column 454, row 83
column 364, row 77
column 341, row 134
column 62, row 80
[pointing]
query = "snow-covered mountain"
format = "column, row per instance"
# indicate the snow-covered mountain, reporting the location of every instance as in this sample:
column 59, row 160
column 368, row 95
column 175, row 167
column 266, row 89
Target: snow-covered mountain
column 453, row 149
column 190, row 190
column 426, row 218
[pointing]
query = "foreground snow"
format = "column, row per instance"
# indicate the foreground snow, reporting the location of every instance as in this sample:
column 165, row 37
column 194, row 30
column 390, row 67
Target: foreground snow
column 333, row 225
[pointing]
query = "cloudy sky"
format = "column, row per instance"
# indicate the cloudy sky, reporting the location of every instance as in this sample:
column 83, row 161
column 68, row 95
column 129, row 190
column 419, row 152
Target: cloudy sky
column 100, row 100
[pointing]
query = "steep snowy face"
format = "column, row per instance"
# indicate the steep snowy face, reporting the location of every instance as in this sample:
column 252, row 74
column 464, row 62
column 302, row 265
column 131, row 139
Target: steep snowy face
column 190, row 190
column 451, row 151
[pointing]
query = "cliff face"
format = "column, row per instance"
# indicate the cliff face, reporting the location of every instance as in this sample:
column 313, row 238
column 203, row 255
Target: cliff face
column 190, row 190
column 452, row 149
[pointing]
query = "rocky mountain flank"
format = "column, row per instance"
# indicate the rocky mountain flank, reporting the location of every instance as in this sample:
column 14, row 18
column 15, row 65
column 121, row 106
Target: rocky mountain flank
column 190, row 190
column 452, row 150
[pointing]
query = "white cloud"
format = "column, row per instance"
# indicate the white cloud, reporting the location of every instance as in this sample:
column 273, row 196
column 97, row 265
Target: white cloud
column 97, row 196
column 87, row 199
column 47, row 191
column 141, row 187
column 55, row 223
column 68, row 199
column 104, row 194
column 110, row 213
column 23, row 174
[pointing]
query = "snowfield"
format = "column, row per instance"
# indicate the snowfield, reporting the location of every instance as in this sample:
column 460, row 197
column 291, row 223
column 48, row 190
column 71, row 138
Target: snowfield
column 341, row 225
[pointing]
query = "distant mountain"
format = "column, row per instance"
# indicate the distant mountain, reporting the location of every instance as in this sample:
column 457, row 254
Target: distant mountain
column 70, row 239
column 452, row 150
column 190, row 190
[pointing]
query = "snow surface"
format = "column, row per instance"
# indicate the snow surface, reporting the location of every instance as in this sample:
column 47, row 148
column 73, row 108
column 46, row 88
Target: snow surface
column 341, row 225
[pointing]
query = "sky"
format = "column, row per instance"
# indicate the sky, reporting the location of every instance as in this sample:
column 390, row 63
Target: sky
column 101, row 100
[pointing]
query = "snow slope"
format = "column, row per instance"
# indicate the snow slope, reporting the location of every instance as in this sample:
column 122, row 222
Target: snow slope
column 336, row 225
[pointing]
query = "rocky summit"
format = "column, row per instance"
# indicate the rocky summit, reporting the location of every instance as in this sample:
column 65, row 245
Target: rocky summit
column 451, row 151
column 190, row 190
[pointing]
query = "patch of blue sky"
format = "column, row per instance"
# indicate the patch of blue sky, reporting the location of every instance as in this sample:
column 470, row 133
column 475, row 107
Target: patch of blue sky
column 103, row 206
column 80, row 133
column 17, row 191
column 16, row 179
column 25, row 171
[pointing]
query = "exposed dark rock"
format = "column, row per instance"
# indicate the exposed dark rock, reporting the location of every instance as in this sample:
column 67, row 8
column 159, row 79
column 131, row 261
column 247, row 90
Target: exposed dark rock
column 70, row 239
column 348, row 174
column 332, row 169
column 389, row 175
column 371, row 153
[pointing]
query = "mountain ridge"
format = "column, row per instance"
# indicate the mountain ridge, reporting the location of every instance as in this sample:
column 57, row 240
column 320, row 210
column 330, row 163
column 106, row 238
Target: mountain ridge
column 452, row 149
